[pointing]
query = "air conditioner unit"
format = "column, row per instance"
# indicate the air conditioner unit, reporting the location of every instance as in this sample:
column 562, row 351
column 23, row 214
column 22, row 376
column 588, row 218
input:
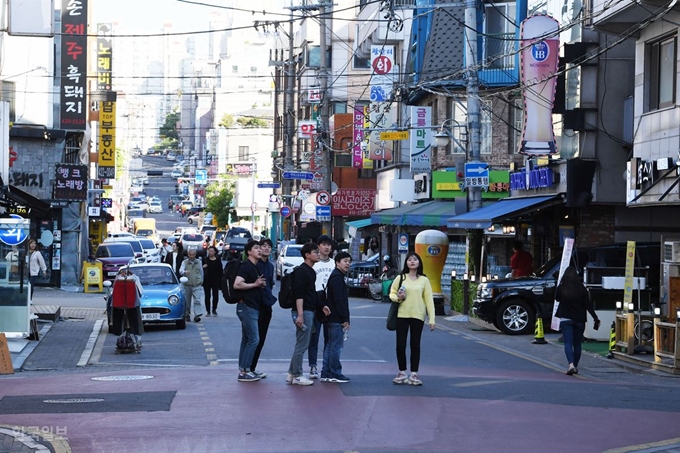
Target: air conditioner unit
column 671, row 251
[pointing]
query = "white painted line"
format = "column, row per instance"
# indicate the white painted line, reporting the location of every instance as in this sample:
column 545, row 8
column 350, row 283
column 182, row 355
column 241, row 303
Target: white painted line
column 89, row 347
column 288, row 360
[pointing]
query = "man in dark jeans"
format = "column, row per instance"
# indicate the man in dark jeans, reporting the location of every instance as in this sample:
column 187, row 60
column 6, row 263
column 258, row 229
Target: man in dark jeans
column 266, row 268
column 338, row 322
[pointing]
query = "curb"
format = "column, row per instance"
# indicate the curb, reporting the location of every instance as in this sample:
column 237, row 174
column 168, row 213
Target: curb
column 18, row 362
column 91, row 341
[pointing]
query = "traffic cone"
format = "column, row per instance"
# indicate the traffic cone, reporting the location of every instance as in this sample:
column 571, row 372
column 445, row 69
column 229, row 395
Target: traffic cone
column 539, row 337
column 612, row 341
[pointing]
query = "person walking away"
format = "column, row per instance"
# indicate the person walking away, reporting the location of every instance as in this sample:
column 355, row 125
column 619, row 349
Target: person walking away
column 251, row 282
column 36, row 264
column 323, row 269
column 413, row 292
column 574, row 302
column 520, row 261
column 165, row 249
column 338, row 322
column 266, row 268
column 134, row 315
column 304, row 292
column 175, row 258
column 12, row 259
column 192, row 268
column 212, row 277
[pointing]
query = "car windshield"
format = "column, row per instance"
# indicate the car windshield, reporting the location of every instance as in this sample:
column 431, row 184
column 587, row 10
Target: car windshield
column 154, row 275
column 144, row 232
column 548, row 266
column 147, row 244
column 192, row 238
column 220, row 235
column 115, row 250
column 293, row 251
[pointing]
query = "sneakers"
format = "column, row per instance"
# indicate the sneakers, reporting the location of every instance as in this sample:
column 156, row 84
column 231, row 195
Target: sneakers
column 401, row 378
column 197, row 318
column 301, row 380
column 289, row 378
column 207, row 315
column 247, row 377
column 413, row 379
column 338, row 379
column 313, row 374
column 214, row 312
column 260, row 375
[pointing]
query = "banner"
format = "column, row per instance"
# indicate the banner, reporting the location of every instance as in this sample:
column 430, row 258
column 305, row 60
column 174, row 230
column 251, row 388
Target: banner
column 566, row 258
column 420, row 138
column 73, row 105
column 628, row 275
column 104, row 57
column 382, row 64
column 107, row 140
column 365, row 149
column 539, row 62
column 358, row 137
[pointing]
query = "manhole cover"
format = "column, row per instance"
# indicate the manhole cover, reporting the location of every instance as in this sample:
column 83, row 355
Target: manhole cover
column 75, row 400
column 122, row 378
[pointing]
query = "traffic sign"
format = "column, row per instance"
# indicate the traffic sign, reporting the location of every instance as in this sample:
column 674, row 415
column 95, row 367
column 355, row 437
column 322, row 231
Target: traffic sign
column 268, row 185
column 298, row 175
column 394, row 135
column 285, row 211
column 476, row 174
column 323, row 213
column 310, row 208
column 201, row 177
column 323, row 198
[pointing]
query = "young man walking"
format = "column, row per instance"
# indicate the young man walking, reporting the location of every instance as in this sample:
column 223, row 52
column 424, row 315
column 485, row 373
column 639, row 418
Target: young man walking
column 338, row 322
column 266, row 268
column 192, row 268
column 304, row 292
column 323, row 269
column 251, row 282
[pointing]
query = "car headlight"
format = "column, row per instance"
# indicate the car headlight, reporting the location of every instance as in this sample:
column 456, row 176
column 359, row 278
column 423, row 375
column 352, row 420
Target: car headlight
column 288, row 264
column 486, row 292
column 173, row 300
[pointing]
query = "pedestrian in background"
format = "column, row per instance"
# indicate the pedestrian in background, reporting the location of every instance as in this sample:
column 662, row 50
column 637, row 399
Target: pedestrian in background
column 251, row 282
column 413, row 292
column 520, row 261
column 165, row 249
column 36, row 264
column 338, row 320
column 192, row 268
column 175, row 258
column 323, row 269
column 266, row 268
column 574, row 302
column 212, row 277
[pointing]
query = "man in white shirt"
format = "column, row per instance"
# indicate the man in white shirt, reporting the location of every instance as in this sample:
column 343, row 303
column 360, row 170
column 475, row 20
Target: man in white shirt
column 323, row 269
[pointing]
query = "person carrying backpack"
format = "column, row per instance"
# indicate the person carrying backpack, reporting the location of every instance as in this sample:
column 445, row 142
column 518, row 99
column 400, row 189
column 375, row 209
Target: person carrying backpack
column 266, row 268
column 250, row 282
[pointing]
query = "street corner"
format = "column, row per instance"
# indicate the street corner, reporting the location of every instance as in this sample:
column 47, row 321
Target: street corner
column 32, row 439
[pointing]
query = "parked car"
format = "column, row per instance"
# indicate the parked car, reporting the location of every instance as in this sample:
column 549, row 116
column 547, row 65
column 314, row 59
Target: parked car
column 194, row 240
column 134, row 243
column 171, row 157
column 151, row 253
column 113, row 256
column 163, row 299
column 176, row 174
column 361, row 271
column 155, row 207
column 289, row 258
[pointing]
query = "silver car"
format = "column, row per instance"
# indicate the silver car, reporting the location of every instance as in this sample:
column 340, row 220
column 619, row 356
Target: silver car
column 195, row 240
column 156, row 207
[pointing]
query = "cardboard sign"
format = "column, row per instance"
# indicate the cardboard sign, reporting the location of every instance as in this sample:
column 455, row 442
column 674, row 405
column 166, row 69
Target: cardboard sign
column 6, row 366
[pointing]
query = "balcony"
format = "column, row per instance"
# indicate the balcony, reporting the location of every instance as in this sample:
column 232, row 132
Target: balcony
column 618, row 17
column 500, row 60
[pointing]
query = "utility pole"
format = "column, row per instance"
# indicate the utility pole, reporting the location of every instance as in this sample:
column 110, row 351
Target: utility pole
column 324, row 138
column 289, row 119
column 473, row 106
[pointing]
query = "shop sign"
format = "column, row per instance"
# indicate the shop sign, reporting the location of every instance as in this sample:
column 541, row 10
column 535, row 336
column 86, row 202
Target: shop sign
column 73, row 106
column 354, row 202
column 445, row 185
column 536, row 178
column 70, row 182
column 244, row 169
column 422, row 187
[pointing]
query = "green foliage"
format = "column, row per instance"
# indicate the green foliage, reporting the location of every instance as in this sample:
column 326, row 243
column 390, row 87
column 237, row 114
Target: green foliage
column 169, row 128
column 252, row 122
column 227, row 121
column 171, row 143
column 475, row 238
column 219, row 200
column 457, row 295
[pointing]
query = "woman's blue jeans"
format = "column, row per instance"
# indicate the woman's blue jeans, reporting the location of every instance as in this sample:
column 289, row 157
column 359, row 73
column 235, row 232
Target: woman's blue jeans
column 572, row 333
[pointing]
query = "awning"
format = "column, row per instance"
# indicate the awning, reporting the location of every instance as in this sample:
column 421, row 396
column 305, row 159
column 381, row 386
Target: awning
column 501, row 210
column 358, row 224
column 25, row 199
column 431, row 213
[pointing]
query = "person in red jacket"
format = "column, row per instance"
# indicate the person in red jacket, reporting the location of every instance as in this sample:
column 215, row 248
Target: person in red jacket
column 520, row 261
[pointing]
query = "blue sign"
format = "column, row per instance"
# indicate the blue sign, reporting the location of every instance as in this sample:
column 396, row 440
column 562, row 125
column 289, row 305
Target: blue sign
column 403, row 243
column 476, row 174
column 201, row 177
column 323, row 213
column 13, row 234
column 285, row 211
column 298, row 175
column 268, row 185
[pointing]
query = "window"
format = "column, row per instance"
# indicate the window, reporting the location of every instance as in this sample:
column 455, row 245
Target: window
column 457, row 127
column 243, row 152
column 458, row 130
column 499, row 42
column 661, row 70
column 517, row 119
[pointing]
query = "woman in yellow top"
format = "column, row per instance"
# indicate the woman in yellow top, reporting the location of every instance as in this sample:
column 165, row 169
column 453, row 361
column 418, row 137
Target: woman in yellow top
column 413, row 292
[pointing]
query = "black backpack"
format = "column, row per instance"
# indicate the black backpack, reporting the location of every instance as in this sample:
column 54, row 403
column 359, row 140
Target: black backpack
column 286, row 298
column 231, row 295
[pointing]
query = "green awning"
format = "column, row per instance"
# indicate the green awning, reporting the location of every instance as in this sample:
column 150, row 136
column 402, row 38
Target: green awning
column 359, row 224
column 431, row 213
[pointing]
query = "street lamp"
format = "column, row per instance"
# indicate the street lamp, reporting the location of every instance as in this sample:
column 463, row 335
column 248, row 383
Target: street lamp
column 444, row 136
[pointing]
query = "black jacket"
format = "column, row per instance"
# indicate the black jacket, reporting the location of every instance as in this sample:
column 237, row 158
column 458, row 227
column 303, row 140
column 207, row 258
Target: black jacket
column 180, row 258
column 575, row 306
column 304, row 281
column 267, row 269
column 338, row 297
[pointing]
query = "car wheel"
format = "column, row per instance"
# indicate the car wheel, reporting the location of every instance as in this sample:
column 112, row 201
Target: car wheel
column 181, row 324
column 515, row 317
column 190, row 221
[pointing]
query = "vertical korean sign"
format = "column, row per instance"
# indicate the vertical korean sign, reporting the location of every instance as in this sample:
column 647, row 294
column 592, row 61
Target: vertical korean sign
column 420, row 138
column 382, row 64
column 104, row 57
column 107, row 140
column 539, row 60
column 73, row 105
column 358, row 138
column 367, row 163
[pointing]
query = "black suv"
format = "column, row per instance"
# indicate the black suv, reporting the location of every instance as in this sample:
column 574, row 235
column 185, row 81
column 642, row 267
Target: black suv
column 511, row 304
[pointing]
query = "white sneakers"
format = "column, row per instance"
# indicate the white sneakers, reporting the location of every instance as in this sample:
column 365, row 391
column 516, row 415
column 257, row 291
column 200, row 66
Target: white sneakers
column 299, row 380
column 403, row 379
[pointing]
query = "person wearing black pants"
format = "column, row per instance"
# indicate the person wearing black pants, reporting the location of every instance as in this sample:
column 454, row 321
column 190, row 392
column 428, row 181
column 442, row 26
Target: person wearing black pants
column 212, row 271
column 266, row 268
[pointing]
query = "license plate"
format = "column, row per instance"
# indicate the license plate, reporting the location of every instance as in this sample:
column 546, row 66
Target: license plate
column 151, row 316
column 113, row 274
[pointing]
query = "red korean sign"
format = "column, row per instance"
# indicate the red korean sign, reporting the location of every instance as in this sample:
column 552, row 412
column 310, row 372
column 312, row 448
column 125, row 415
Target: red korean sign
column 73, row 103
column 354, row 202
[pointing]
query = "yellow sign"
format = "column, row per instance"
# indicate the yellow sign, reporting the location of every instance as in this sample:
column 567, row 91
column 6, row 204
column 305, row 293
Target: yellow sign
column 92, row 273
column 6, row 366
column 628, row 279
column 394, row 135
column 447, row 186
column 107, row 134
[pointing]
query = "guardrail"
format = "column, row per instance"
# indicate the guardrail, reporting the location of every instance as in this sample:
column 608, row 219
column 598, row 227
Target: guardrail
column 667, row 343
column 625, row 333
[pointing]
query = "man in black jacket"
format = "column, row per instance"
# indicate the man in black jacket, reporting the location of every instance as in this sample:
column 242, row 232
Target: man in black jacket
column 338, row 321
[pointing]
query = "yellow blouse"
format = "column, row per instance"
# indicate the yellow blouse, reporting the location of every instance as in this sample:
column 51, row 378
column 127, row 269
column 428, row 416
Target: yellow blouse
column 419, row 300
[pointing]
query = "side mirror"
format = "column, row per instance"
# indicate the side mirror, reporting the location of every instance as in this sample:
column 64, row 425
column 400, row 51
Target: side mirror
column 107, row 284
column 183, row 280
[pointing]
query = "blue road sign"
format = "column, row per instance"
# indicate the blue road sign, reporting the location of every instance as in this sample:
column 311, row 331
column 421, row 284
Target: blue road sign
column 201, row 177
column 323, row 213
column 13, row 234
column 268, row 185
column 476, row 174
column 285, row 211
column 298, row 175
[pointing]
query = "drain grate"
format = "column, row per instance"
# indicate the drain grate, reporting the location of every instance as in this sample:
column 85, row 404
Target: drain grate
column 132, row 377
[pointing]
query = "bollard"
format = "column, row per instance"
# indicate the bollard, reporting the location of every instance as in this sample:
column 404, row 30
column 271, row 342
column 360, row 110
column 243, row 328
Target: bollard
column 612, row 340
column 539, row 337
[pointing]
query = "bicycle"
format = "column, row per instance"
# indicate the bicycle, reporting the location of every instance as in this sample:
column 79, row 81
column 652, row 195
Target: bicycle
column 374, row 286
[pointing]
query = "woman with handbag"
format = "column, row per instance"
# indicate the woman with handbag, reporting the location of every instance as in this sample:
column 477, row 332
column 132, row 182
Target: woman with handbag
column 413, row 292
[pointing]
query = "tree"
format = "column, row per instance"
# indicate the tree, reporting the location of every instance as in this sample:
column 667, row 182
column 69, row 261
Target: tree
column 220, row 200
column 169, row 128
column 227, row 121
column 252, row 122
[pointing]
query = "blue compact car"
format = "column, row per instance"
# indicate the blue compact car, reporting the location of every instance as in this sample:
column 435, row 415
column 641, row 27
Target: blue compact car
column 163, row 300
